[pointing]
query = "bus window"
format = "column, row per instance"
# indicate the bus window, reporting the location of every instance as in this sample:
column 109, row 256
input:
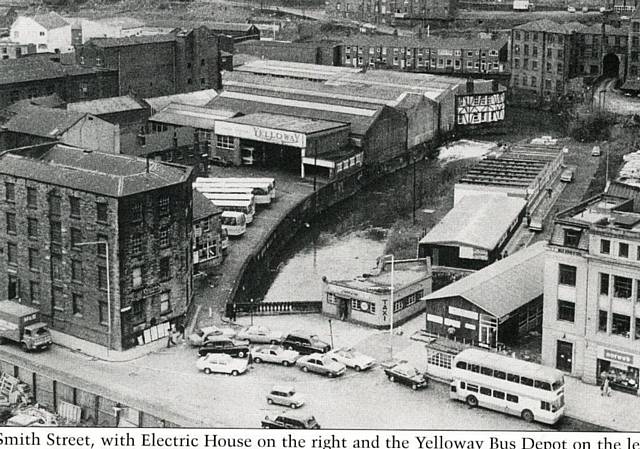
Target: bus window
column 557, row 384
column 512, row 398
column 526, row 381
column 463, row 385
column 486, row 371
column 485, row 391
column 474, row 368
column 542, row 385
column 513, row 378
column 498, row 394
column 471, row 387
column 545, row 406
column 461, row 365
column 499, row 374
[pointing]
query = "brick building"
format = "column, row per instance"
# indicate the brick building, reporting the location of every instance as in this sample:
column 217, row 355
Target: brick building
column 162, row 64
column 326, row 52
column 38, row 76
column 632, row 81
column 393, row 11
column 207, row 232
column 55, row 196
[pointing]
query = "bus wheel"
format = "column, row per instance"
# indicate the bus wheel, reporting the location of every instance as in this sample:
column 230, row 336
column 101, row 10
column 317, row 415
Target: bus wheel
column 472, row 401
column 527, row 415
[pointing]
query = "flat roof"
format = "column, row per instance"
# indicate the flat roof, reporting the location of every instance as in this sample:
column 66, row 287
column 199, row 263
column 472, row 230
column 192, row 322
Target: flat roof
column 476, row 220
column 405, row 273
column 503, row 286
column 113, row 175
column 192, row 116
column 287, row 122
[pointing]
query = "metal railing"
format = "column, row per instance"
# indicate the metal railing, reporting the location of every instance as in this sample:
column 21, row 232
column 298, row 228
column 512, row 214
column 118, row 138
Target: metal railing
column 276, row 308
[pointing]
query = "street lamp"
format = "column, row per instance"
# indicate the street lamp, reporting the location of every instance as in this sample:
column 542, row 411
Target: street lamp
column 106, row 245
column 392, row 301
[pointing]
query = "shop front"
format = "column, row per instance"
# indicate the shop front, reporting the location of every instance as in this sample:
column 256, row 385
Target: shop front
column 621, row 368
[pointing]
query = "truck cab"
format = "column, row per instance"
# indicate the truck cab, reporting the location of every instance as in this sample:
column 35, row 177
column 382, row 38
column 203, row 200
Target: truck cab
column 21, row 324
column 36, row 336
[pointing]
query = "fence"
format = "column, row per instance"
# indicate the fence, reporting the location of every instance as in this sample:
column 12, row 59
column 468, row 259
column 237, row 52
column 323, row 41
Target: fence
column 274, row 308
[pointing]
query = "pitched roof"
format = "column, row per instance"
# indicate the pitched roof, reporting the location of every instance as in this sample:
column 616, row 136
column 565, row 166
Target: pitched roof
column 617, row 188
column 47, row 101
column 229, row 26
column 424, row 42
column 42, row 121
column 193, row 116
column 503, row 286
column 478, row 221
column 121, row 22
column 50, row 21
column 287, row 122
column 110, row 42
column 106, row 174
column 543, row 25
column 106, row 105
column 203, row 207
column 195, row 98
column 35, row 68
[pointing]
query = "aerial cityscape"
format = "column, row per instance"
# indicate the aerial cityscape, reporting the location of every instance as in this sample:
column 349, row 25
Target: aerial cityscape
column 299, row 214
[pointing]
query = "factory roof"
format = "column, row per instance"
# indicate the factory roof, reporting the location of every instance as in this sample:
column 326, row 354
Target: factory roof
column 424, row 42
column 106, row 105
column 478, row 221
column 503, row 286
column 106, row 174
column 195, row 98
column 193, row 116
column 42, row 121
column 35, row 68
column 111, row 42
column 294, row 69
column 287, row 122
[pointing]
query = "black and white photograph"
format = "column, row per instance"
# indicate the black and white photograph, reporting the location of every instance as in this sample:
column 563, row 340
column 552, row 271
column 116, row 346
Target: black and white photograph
column 320, row 214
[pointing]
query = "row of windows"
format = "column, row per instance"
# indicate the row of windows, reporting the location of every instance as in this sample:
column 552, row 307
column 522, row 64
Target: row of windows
column 534, row 66
column 534, row 51
column 407, row 301
column 620, row 324
column 526, row 35
column 527, row 381
column 622, row 249
column 418, row 51
column 435, row 63
column 225, row 142
column 136, row 241
column 488, row 392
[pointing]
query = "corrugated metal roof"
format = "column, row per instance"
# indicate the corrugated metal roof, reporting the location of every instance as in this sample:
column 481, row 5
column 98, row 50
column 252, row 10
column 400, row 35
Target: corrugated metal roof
column 503, row 286
column 478, row 221
column 42, row 121
column 195, row 98
column 192, row 116
column 106, row 105
column 106, row 174
column 287, row 122
column 202, row 207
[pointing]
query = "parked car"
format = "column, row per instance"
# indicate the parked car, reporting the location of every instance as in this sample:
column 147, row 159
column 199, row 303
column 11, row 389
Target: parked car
column 571, row 9
column 352, row 359
column 407, row 374
column 536, row 224
column 595, row 151
column 321, row 364
column 285, row 395
column 290, row 421
column 224, row 345
column 567, row 175
column 200, row 335
column 305, row 343
column 220, row 162
column 260, row 334
column 222, row 363
column 274, row 354
column 585, row 9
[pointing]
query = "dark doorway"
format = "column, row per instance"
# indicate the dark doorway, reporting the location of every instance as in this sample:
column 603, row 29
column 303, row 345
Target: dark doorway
column 344, row 309
column 611, row 66
column 564, row 356
column 13, row 287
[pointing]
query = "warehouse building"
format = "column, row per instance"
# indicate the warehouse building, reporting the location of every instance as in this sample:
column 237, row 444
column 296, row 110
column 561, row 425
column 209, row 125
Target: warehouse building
column 474, row 233
column 498, row 303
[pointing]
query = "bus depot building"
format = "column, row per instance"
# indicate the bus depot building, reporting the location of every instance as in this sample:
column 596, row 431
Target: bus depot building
column 308, row 145
column 496, row 304
column 367, row 299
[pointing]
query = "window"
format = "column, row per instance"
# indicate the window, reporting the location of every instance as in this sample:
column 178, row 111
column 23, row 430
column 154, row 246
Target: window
column 620, row 325
column 32, row 198
column 102, row 212
column 512, row 398
column 499, row 374
column 623, row 250
column 163, row 238
column 545, row 406
column 34, row 257
column 76, row 303
column 11, row 223
column 605, row 246
column 136, row 275
column 572, row 237
column 474, row 368
column 534, row 51
column 76, row 237
column 34, row 292
column 101, row 249
column 136, row 211
column 32, row 227
column 604, row 284
column 57, row 299
column 486, row 371
column 12, row 253
column 622, row 287
column 526, row 381
column 103, row 314
column 331, row 299
column 498, row 394
column 225, row 142
column 603, row 318
column 542, row 385
column 56, row 266
column 74, row 204
column 165, row 268
column 567, row 275
column 461, row 365
column 76, row 270
column 55, row 204
column 102, row 277
column 165, row 303
column 163, row 205
column 471, row 387
column 485, row 391
column 135, row 244
column 566, row 311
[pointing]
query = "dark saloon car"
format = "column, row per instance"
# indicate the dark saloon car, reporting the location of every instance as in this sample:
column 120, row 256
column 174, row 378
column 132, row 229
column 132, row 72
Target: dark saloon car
column 224, row 345
column 305, row 343
column 290, row 421
column 406, row 374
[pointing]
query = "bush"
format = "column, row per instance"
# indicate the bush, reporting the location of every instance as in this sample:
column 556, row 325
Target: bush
column 591, row 127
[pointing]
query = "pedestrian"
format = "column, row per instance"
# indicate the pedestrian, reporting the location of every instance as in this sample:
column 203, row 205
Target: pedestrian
column 234, row 312
column 170, row 341
column 606, row 391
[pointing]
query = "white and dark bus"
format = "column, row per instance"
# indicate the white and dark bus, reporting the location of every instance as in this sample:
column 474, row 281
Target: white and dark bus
column 234, row 224
column 235, row 203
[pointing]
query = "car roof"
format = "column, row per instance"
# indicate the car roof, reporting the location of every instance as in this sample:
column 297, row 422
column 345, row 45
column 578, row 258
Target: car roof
column 215, row 338
column 301, row 333
column 215, row 355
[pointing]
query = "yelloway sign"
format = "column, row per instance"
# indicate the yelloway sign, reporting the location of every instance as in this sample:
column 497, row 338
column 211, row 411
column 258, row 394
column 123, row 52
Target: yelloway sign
column 261, row 134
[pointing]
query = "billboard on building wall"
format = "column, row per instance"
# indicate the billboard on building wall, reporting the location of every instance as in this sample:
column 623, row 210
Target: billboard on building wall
column 261, row 134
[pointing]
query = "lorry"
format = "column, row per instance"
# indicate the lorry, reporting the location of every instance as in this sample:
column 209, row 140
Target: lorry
column 522, row 5
column 21, row 324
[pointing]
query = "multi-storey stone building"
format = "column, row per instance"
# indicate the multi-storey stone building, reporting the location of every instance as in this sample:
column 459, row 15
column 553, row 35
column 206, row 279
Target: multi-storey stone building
column 55, row 198
column 591, row 322
column 393, row 11
column 632, row 81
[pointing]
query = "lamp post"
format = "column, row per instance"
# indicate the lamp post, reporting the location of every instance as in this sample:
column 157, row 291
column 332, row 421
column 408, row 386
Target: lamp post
column 106, row 245
column 392, row 302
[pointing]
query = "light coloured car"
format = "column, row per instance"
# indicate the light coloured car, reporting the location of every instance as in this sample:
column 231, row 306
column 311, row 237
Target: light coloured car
column 222, row 363
column 571, row 9
column 261, row 334
column 352, row 359
column 567, row 175
column 201, row 335
column 285, row 395
column 595, row 151
column 321, row 364
column 274, row 354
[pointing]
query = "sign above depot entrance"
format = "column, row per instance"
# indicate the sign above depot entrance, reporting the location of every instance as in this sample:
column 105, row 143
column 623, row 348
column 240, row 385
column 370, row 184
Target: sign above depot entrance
column 261, row 134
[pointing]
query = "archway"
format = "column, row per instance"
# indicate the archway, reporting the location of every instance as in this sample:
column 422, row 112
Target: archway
column 611, row 66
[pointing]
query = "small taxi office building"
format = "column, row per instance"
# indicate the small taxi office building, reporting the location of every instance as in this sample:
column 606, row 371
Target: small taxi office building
column 285, row 141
